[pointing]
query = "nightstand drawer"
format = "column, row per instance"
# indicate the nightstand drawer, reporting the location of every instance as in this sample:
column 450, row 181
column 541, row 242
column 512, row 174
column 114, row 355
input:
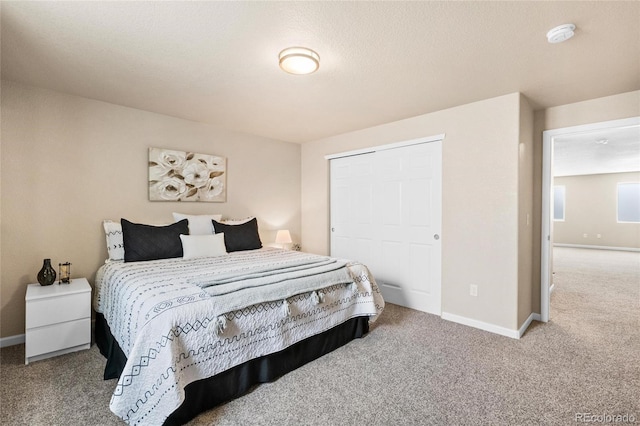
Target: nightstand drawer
column 55, row 337
column 58, row 309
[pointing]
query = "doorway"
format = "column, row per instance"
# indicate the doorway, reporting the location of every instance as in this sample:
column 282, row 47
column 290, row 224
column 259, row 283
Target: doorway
column 550, row 138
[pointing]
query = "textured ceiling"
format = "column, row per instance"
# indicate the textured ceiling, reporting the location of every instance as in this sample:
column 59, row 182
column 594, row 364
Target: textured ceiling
column 585, row 153
column 216, row 62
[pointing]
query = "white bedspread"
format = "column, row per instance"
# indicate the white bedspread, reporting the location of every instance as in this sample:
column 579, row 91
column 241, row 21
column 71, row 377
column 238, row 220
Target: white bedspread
column 179, row 320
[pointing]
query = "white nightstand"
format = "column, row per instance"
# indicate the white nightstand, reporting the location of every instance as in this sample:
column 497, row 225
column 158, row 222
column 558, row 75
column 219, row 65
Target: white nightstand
column 58, row 319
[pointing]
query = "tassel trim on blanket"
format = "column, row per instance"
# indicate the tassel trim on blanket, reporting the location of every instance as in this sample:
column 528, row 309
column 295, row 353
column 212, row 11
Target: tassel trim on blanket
column 354, row 278
column 317, row 297
column 221, row 324
column 286, row 310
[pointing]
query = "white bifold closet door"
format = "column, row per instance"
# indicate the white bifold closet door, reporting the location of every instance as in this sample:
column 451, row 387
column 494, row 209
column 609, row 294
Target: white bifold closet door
column 386, row 212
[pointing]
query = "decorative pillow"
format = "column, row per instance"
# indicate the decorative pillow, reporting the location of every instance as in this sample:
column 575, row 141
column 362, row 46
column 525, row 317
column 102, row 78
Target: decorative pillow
column 198, row 224
column 203, row 246
column 115, row 245
column 148, row 242
column 239, row 237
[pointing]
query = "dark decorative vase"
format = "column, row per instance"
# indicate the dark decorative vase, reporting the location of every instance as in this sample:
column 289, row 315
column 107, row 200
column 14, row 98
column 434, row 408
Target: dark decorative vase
column 47, row 274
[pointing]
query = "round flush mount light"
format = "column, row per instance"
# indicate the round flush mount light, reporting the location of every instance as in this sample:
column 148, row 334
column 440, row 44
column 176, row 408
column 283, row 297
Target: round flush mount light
column 561, row 33
column 299, row 60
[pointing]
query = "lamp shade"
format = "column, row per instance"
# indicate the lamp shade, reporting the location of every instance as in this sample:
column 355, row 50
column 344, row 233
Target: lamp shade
column 299, row 60
column 283, row 237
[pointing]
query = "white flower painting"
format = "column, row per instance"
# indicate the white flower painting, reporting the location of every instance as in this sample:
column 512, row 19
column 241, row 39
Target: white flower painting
column 186, row 176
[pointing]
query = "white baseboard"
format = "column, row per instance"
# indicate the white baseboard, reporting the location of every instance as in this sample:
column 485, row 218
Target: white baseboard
column 11, row 340
column 596, row 247
column 527, row 323
column 492, row 328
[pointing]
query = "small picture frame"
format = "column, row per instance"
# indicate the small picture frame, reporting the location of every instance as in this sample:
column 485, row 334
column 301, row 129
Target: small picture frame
column 65, row 273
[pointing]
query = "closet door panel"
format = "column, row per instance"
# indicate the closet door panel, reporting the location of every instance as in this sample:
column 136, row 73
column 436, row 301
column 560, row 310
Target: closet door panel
column 351, row 207
column 390, row 220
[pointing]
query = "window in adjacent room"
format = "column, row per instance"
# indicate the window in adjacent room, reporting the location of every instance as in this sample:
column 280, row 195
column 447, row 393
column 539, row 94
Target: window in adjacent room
column 558, row 202
column 629, row 202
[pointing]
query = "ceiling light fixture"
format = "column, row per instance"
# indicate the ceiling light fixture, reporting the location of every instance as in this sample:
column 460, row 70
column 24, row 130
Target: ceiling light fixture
column 602, row 141
column 561, row 33
column 299, row 60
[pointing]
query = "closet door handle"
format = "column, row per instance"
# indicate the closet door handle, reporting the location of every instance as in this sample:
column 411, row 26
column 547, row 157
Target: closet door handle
column 333, row 229
column 436, row 236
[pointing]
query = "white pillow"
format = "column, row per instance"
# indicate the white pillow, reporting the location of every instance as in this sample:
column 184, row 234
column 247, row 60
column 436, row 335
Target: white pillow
column 202, row 246
column 115, row 244
column 198, row 224
column 236, row 221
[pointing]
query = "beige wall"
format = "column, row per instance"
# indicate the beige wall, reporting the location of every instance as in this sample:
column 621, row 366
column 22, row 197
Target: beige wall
column 67, row 163
column 591, row 209
column 525, row 212
column 480, row 202
column 624, row 105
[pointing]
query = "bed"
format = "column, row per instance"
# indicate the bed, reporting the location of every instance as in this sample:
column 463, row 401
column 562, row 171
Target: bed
column 185, row 334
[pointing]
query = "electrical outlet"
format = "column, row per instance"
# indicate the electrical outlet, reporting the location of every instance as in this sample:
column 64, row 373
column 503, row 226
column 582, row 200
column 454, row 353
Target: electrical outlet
column 585, row 235
column 473, row 290
column 599, row 236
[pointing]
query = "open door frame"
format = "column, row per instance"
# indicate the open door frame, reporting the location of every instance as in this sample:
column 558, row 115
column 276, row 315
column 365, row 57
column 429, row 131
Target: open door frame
column 548, row 137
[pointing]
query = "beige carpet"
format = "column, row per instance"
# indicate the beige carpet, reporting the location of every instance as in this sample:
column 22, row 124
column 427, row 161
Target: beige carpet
column 412, row 369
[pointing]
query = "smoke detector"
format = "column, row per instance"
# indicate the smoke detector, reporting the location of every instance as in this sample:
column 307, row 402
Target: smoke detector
column 561, row 33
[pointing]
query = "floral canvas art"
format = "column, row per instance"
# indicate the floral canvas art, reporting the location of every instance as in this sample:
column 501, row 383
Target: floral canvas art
column 186, row 176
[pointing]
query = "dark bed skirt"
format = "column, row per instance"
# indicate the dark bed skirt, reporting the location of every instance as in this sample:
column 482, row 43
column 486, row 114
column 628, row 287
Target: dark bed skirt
column 207, row 393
